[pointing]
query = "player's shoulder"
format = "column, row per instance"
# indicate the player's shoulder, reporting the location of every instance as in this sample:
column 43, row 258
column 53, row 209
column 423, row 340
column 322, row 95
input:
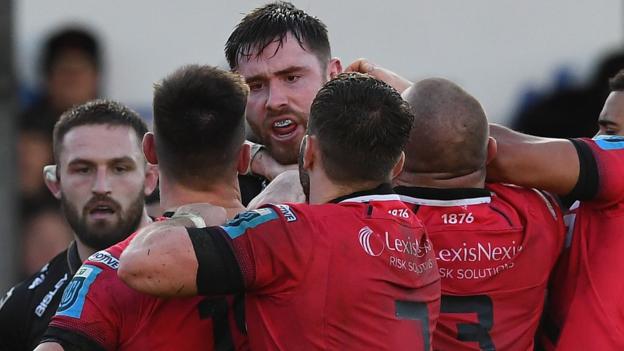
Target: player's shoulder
column 609, row 147
column 42, row 279
column 104, row 260
column 273, row 215
column 604, row 142
column 529, row 201
column 33, row 295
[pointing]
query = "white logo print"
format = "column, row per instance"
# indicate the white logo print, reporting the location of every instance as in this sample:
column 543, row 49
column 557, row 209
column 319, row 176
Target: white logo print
column 365, row 240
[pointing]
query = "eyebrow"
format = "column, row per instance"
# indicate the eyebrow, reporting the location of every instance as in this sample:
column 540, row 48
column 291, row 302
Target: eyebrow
column 606, row 123
column 287, row 70
column 123, row 159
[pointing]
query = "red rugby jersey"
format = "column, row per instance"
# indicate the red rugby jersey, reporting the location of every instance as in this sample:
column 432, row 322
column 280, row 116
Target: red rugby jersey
column 99, row 312
column 357, row 274
column 495, row 249
column 586, row 306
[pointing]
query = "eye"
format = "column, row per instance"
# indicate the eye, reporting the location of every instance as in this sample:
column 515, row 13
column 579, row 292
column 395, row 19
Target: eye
column 120, row 169
column 255, row 86
column 82, row 170
column 292, row 78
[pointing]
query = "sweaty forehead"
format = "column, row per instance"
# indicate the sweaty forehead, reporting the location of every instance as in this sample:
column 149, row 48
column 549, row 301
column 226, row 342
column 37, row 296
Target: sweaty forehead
column 100, row 143
column 275, row 58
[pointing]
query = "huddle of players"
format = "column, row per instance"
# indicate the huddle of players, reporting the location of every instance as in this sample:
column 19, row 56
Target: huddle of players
column 354, row 268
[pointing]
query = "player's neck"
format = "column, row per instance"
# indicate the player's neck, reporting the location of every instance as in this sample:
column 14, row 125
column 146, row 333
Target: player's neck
column 85, row 251
column 323, row 190
column 474, row 179
column 223, row 194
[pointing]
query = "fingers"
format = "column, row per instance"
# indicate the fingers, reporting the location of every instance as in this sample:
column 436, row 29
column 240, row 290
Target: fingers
column 361, row 65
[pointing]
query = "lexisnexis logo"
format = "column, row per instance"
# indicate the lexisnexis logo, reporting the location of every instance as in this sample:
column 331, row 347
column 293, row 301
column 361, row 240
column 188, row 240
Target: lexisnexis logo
column 365, row 240
column 374, row 245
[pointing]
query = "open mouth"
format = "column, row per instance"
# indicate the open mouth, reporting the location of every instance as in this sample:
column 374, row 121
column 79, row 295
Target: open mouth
column 283, row 128
column 101, row 211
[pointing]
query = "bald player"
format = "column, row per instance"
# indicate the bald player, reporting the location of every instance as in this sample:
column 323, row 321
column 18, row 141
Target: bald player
column 495, row 244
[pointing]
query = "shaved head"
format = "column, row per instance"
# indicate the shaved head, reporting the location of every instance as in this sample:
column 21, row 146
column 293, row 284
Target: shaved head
column 450, row 133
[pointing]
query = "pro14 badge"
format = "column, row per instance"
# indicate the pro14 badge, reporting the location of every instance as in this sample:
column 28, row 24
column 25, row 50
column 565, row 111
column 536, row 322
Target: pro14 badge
column 76, row 291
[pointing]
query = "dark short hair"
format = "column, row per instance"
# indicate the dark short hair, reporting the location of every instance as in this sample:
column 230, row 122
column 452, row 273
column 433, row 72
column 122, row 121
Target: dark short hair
column 199, row 115
column 97, row 112
column 271, row 23
column 616, row 83
column 70, row 39
column 362, row 125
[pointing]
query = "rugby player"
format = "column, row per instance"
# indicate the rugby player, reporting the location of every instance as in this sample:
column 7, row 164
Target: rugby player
column 352, row 270
column 285, row 57
column 198, row 144
column 585, row 309
column 101, row 179
column 495, row 244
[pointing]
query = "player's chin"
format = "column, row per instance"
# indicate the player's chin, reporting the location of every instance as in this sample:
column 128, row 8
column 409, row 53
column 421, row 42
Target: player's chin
column 285, row 154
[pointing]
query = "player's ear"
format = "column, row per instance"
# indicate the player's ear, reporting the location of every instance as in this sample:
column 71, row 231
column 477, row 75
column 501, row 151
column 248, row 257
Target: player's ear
column 310, row 151
column 334, row 67
column 151, row 178
column 398, row 166
column 244, row 158
column 51, row 180
column 149, row 148
column 491, row 149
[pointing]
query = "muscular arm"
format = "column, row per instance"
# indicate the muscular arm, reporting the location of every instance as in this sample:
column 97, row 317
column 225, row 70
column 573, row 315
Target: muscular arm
column 549, row 164
column 161, row 261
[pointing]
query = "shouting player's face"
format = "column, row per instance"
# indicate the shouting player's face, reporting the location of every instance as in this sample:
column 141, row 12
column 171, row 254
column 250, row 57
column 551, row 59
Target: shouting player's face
column 102, row 183
column 283, row 81
column 611, row 119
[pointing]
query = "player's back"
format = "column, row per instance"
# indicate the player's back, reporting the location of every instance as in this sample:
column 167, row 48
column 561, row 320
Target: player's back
column 98, row 311
column 347, row 276
column 495, row 249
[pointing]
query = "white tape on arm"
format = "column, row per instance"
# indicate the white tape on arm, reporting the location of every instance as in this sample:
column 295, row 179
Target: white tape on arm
column 197, row 220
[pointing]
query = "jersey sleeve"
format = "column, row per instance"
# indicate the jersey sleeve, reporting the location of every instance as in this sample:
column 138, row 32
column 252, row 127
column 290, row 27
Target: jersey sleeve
column 87, row 317
column 269, row 246
column 600, row 180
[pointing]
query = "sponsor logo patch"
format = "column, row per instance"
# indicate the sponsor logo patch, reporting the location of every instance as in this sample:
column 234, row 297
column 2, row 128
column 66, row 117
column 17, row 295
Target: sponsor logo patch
column 248, row 220
column 106, row 258
column 76, row 291
column 43, row 305
column 287, row 212
column 374, row 247
column 40, row 278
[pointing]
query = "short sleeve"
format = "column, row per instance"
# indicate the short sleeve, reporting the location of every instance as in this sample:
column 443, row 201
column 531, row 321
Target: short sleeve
column 87, row 313
column 601, row 167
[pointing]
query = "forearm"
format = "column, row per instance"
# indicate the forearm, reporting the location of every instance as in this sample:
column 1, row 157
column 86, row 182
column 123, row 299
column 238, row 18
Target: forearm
column 261, row 163
column 530, row 161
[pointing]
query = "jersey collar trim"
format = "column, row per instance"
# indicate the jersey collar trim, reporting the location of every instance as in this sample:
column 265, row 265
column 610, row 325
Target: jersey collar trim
column 443, row 197
column 383, row 192
column 73, row 258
